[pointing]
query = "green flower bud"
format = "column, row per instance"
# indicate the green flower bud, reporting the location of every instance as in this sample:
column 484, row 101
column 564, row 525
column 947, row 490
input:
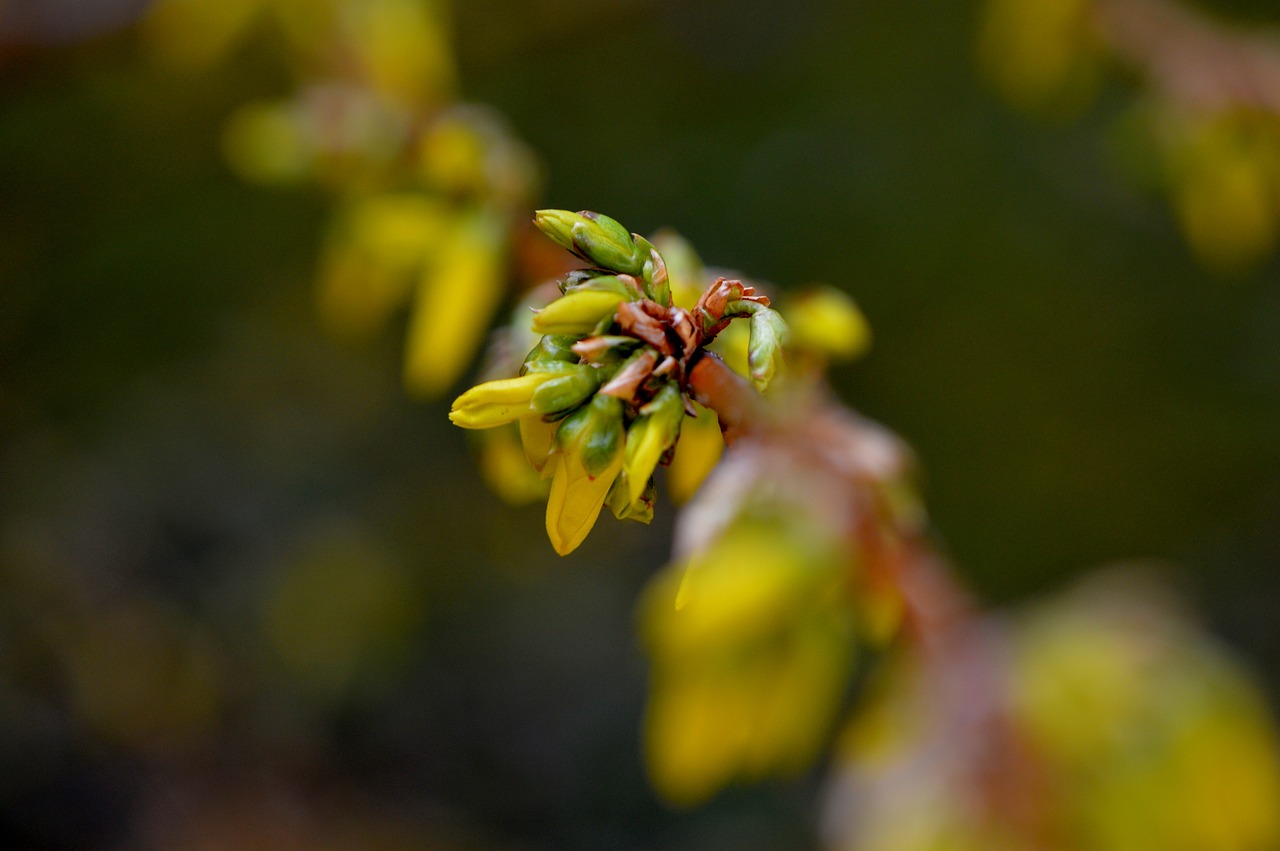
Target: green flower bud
column 769, row 336
column 593, row 433
column 653, row 272
column 594, row 237
column 578, row 313
column 625, row 508
column 551, row 349
column 566, row 392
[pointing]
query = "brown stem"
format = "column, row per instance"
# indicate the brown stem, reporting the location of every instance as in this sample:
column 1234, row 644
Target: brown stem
column 714, row 385
column 1190, row 57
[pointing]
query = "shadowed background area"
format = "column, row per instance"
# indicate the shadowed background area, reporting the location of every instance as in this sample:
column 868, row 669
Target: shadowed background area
column 253, row 596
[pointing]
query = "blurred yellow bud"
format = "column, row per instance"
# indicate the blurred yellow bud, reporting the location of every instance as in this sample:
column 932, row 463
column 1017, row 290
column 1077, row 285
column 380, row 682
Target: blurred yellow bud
column 264, row 144
column 685, row 272
column 1227, row 209
column 827, row 322
column 341, row 612
column 457, row 296
column 696, row 455
column 751, row 652
column 370, row 259
column 403, row 47
column 505, row 468
column 1043, row 55
column 1162, row 741
column 733, row 344
column 452, row 156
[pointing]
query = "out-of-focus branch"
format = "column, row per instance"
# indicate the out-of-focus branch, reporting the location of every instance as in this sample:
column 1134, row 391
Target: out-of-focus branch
column 1192, row 59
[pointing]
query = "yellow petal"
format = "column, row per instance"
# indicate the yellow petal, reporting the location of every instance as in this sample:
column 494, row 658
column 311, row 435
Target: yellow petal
column 641, row 461
column 537, row 437
column 576, row 499
column 496, row 403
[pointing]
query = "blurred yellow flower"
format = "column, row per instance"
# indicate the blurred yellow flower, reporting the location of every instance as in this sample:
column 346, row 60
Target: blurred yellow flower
column 751, row 650
column 457, row 294
column 1043, row 55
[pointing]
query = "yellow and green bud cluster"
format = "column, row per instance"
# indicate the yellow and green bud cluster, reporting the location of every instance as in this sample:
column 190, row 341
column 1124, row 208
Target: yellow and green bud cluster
column 600, row 401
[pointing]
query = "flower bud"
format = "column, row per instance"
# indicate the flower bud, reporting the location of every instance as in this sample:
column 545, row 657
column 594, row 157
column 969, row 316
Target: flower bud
column 566, row 392
column 625, row 508
column 586, row 460
column 623, row 285
column 538, row 438
column 828, row 322
column 551, row 349
column 653, row 432
column 696, row 455
column 496, row 402
column 653, row 272
column 594, row 237
column 764, row 353
column 577, row 313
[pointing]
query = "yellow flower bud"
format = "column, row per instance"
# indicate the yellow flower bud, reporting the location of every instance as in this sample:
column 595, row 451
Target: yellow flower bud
column 828, row 322
column 495, row 403
column 751, row 652
column 650, row 435
column 538, row 438
column 577, row 313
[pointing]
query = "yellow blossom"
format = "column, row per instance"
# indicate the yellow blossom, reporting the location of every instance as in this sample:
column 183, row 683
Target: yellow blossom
column 826, row 321
column 457, row 295
column 751, row 651
column 577, row 313
column 496, row 403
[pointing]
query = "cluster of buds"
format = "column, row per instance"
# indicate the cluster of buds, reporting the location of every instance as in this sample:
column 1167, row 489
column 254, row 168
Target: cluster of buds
column 600, row 400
